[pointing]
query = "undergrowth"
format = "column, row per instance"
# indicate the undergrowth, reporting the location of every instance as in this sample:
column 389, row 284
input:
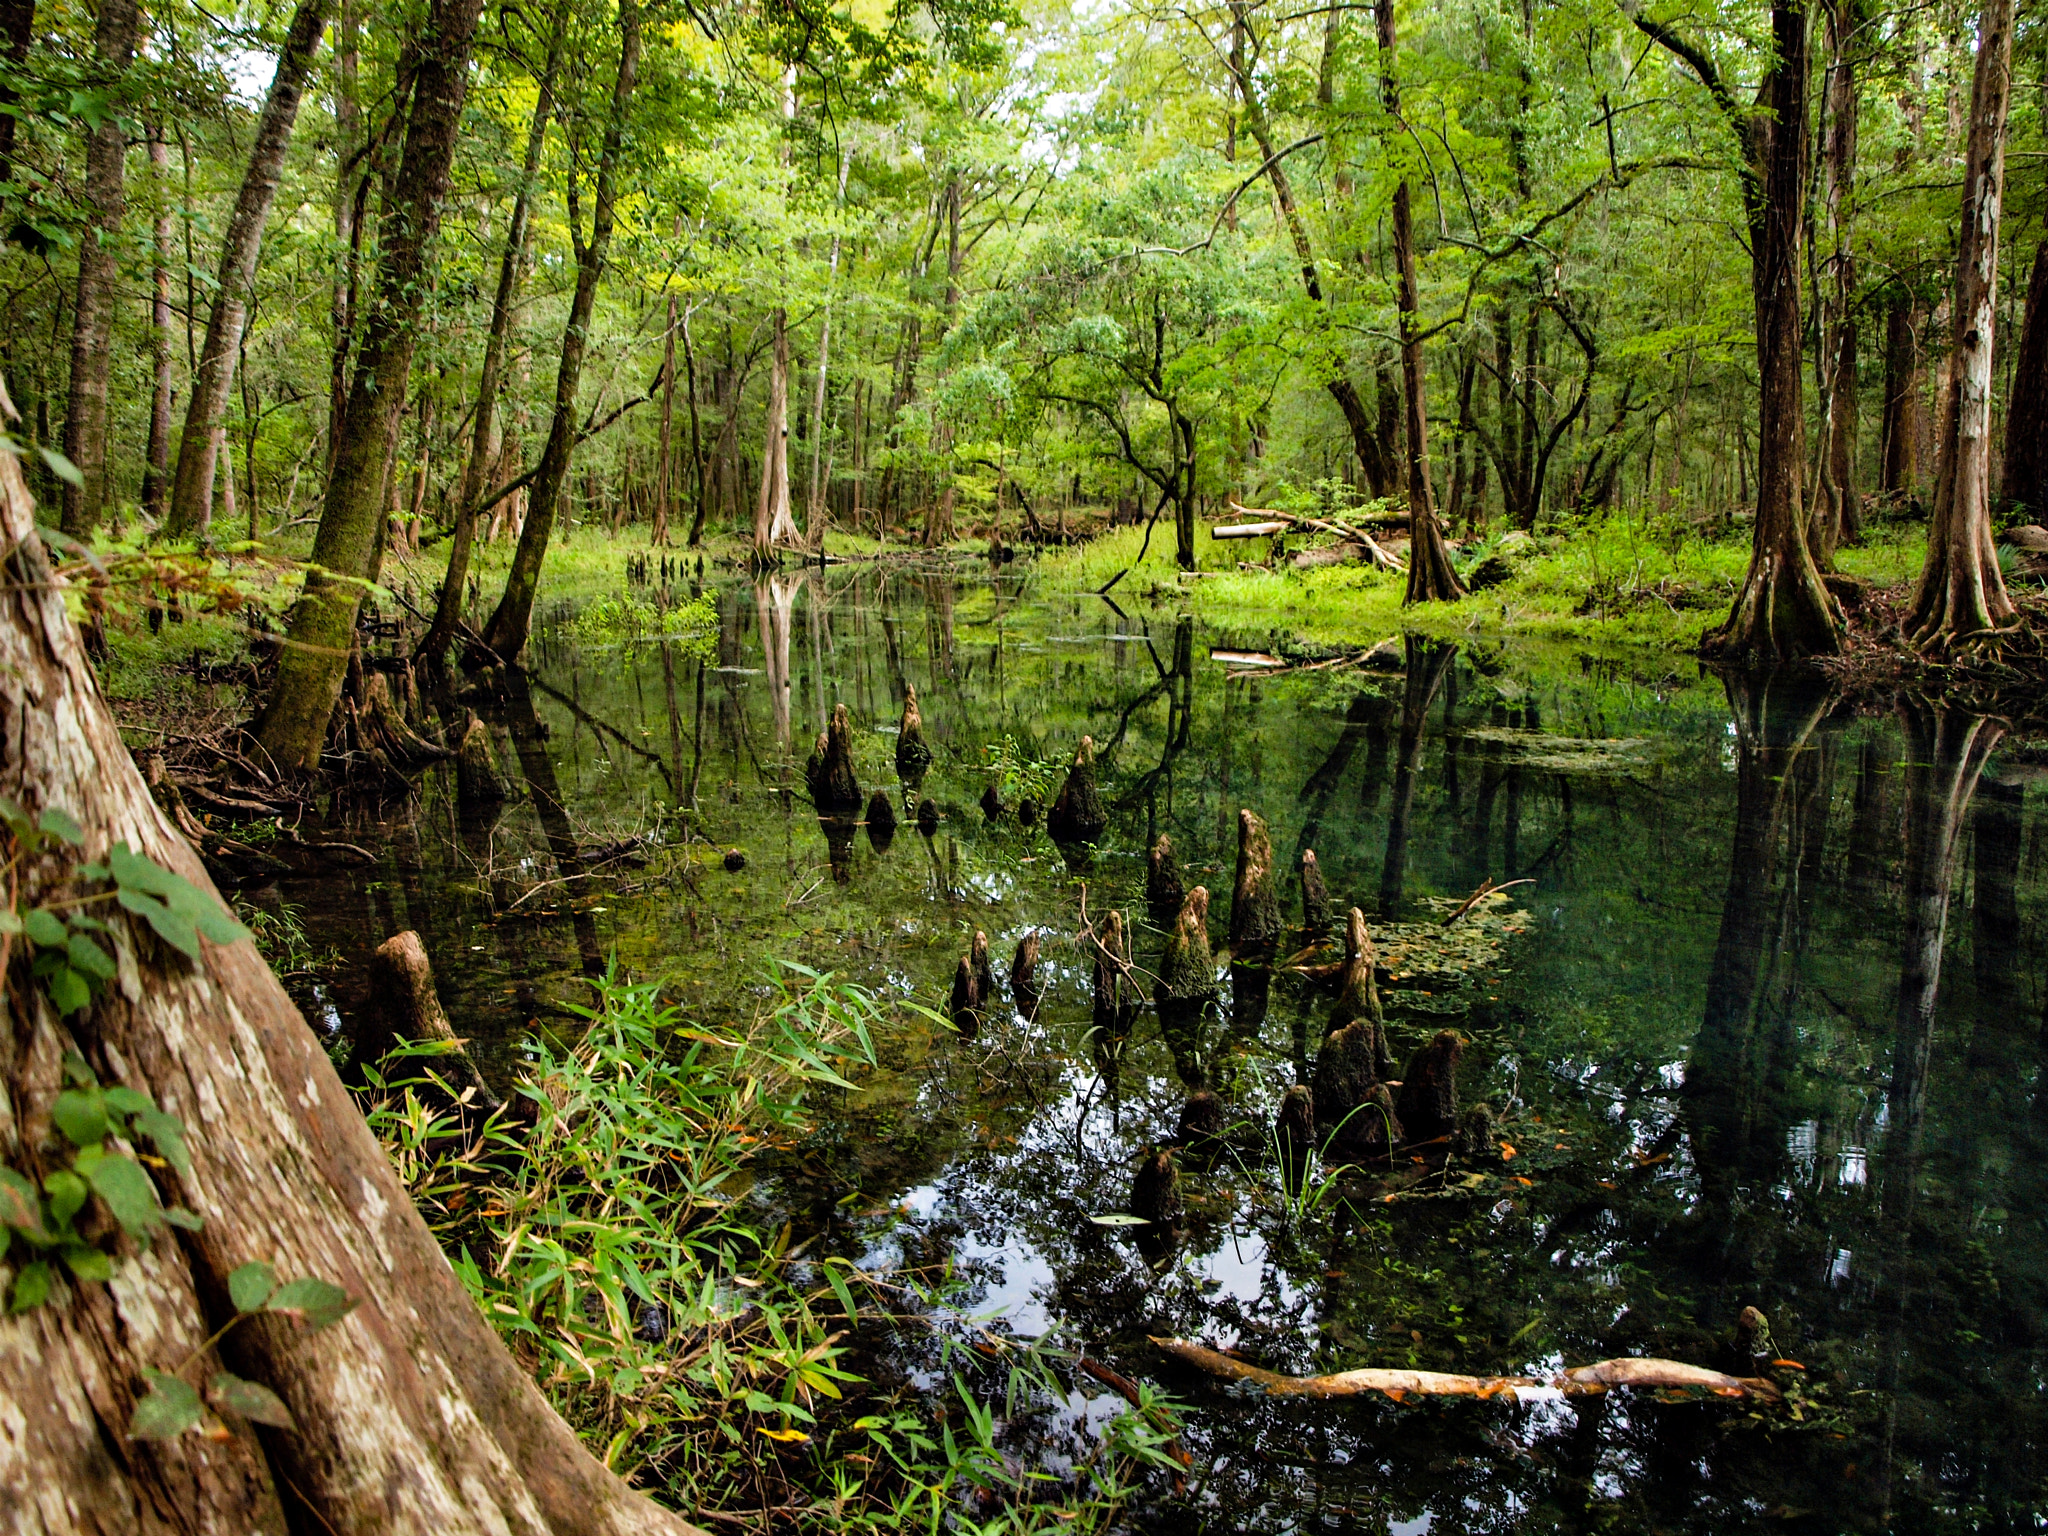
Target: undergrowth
column 623, row 1246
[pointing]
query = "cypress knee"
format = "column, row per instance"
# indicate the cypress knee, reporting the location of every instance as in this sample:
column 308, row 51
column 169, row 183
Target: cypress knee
column 1202, row 1122
column 928, row 817
column 1358, row 993
column 834, row 790
column 992, row 805
column 1345, row 1074
column 913, row 757
column 405, row 1006
column 1116, row 995
column 1027, row 812
column 1429, row 1091
column 1155, row 1193
column 1475, row 1140
column 1187, row 967
column 1164, row 888
column 477, row 785
column 1254, row 904
column 1024, row 975
column 984, row 973
column 964, row 1006
column 1315, row 898
column 1077, row 817
column 1294, row 1130
column 881, row 822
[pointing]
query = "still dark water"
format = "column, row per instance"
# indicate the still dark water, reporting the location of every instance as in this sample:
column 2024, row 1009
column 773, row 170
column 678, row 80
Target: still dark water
column 1772, row 1034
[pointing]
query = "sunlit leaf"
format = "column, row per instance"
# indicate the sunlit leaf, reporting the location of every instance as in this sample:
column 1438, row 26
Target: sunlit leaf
column 170, row 1407
column 252, row 1400
column 122, row 1183
column 251, row 1286
column 32, row 1284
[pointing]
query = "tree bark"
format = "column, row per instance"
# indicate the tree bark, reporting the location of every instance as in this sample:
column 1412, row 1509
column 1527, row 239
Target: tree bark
column 1961, row 591
column 1835, row 517
column 207, row 401
column 348, row 135
column 2026, row 416
column 411, row 1416
column 483, row 436
column 92, row 313
column 1899, row 428
column 815, row 511
column 506, row 633
column 292, row 728
column 18, row 33
column 774, row 528
column 156, row 472
column 1431, row 578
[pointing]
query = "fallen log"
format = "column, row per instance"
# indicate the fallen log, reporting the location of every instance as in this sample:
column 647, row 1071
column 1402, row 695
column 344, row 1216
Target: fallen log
column 1584, row 1380
column 1249, row 530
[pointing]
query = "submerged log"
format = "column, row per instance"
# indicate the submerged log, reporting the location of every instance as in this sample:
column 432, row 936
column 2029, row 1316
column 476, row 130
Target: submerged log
column 881, row 822
column 1429, row 1089
column 1164, row 888
column 1315, row 898
column 1254, row 903
column 1187, row 966
column 1358, row 992
column 1077, row 817
column 834, row 789
column 477, row 783
column 1024, row 975
column 1582, row 1380
column 405, row 1006
column 913, row 757
column 1155, row 1193
column 1117, row 996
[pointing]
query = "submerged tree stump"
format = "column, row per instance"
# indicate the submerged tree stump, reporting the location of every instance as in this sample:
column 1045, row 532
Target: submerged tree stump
column 1346, row 1070
column 477, row 784
column 992, row 807
column 913, row 757
column 1155, row 1192
column 1255, row 924
column 1429, row 1090
column 834, row 789
column 1077, row 818
column 881, row 821
column 1117, row 996
column 1475, row 1141
column 1164, row 888
column 1316, row 911
column 405, row 1006
column 1358, row 993
column 1024, row 975
column 1203, row 1122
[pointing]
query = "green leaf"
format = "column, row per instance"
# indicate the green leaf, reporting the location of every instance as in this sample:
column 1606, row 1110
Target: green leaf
column 81, row 1116
column 10, row 921
column 88, row 957
column 32, row 1284
column 251, row 1286
column 46, row 928
column 318, row 1302
column 88, row 1264
column 62, row 467
column 122, row 1183
column 22, row 1208
column 128, row 1101
column 176, row 931
column 252, row 1400
column 133, row 872
column 167, row 1131
column 60, row 824
column 170, row 1408
column 188, row 1221
column 77, row 1073
column 68, row 990
column 67, row 1192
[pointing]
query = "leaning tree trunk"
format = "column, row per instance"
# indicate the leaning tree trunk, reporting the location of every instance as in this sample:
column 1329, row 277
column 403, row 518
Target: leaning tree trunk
column 2026, row 415
column 1961, row 591
column 410, row 1415
column 207, row 404
column 505, row 635
column 92, row 323
column 293, row 726
column 1431, row 578
column 1783, row 612
column 483, row 438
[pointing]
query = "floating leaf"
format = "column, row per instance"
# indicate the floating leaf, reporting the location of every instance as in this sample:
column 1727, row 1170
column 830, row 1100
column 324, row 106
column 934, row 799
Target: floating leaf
column 318, row 1302
column 81, row 1116
column 32, row 1284
column 121, row 1182
column 251, row 1286
column 170, row 1407
column 251, row 1399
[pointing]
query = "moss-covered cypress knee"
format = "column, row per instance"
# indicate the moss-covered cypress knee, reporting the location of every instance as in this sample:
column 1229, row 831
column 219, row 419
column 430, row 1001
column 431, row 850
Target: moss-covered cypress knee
column 1077, row 817
column 1024, row 975
column 964, row 1006
column 913, row 757
column 984, row 972
column 881, row 822
column 1475, row 1141
column 1202, row 1121
column 1345, row 1073
column 1358, row 993
column 834, row 789
column 928, row 816
column 1429, row 1092
column 992, row 805
column 1294, row 1130
column 1155, row 1193
column 1164, row 888
column 1187, row 966
column 1254, row 903
column 1315, row 898
column 477, row 785
column 1117, row 997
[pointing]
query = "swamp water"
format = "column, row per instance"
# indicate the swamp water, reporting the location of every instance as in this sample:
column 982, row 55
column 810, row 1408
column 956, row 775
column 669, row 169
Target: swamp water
column 1765, row 1028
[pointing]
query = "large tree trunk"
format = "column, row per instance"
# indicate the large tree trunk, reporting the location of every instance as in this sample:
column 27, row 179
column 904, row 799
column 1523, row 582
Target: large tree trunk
column 1835, row 516
column 92, row 314
column 293, row 726
column 207, row 401
column 816, row 509
column 774, row 528
column 1783, row 612
column 484, row 434
column 17, row 34
column 1899, row 428
column 341, row 306
column 411, row 1416
column 1961, row 592
column 506, row 634
column 1431, row 578
column 2026, row 416
column 157, row 468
